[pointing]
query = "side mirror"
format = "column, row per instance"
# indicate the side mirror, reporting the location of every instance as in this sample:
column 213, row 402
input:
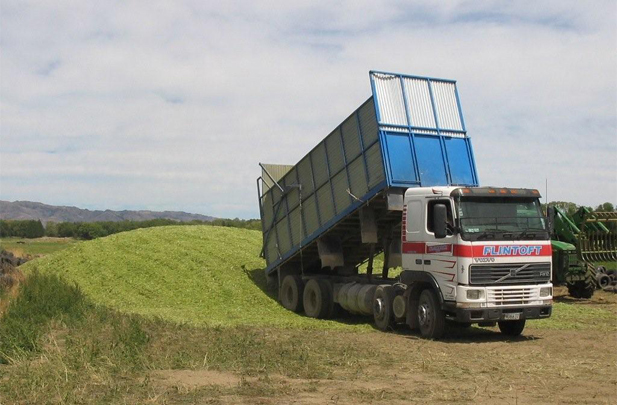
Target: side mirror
column 550, row 219
column 439, row 220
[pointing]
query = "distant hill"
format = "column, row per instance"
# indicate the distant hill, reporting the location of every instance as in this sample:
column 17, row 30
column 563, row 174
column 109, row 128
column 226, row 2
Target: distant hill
column 51, row 213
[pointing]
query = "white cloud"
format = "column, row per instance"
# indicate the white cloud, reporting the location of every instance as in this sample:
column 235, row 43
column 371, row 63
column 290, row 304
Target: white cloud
column 170, row 105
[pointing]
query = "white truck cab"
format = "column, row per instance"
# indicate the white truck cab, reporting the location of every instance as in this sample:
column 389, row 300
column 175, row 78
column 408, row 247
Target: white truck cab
column 484, row 253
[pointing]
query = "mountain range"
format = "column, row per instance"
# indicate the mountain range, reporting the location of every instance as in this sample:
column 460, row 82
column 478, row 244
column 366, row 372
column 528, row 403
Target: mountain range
column 51, row 213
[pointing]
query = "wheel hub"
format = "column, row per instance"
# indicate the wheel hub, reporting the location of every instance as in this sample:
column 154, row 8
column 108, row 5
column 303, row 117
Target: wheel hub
column 424, row 314
column 378, row 308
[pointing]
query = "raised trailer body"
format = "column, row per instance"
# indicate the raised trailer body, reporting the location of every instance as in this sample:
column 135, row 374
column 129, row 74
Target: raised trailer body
column 409, row 133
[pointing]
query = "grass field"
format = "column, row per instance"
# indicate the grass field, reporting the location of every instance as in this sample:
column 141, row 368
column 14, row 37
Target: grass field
column 35, row 247
column 204, row 275
column 179, row 315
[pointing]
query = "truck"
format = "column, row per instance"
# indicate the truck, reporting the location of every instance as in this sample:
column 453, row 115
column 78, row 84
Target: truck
column 396, row 183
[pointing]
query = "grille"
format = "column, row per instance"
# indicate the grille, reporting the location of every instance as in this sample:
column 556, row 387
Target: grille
column 510, row 296
column 508, row 274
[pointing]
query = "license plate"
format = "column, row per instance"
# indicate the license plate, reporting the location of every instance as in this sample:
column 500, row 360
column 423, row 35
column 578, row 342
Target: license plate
column 512, row 317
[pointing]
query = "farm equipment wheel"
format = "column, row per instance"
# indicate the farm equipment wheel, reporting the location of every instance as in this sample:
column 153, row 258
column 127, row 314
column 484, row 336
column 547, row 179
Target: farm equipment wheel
column 290, row 294
column 604, row 280
column 431, row 319
column 512, row 328
column 383, row 313
column 317, row 299
column 582, row 289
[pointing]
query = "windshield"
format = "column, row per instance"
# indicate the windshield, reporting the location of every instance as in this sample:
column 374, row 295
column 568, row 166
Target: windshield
column 501, row 218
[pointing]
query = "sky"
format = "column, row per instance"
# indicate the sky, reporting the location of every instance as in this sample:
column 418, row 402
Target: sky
column 172, row 105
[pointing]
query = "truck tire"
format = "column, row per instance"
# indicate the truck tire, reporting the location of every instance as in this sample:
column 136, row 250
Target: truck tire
column 383, row 313
column 511, row 328
column 317, row 299
column 333, row 309
column 431, row 319
column 291, row 292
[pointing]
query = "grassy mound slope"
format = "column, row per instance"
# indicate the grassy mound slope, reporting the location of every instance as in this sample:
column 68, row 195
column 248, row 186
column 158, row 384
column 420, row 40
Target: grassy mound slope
column 201, row 275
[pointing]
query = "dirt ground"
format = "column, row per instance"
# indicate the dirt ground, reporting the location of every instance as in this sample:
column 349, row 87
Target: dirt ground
column 544, row 367
column 475, row 365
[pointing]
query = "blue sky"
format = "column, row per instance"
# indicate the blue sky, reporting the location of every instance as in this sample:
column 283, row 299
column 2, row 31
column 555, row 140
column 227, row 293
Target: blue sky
column 171, row 105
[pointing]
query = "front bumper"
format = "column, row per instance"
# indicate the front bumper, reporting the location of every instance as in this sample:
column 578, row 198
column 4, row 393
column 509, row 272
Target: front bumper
column 472, row 315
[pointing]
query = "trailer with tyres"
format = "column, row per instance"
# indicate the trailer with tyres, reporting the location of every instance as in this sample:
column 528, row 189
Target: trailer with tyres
column 398, row 178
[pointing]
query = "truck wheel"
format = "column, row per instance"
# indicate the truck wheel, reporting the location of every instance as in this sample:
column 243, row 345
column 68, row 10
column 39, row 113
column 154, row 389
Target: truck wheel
column 333, row 309
column 317, row 299
column 290, row 294
column 512, row 328
column 382, row 307
column 431, row 319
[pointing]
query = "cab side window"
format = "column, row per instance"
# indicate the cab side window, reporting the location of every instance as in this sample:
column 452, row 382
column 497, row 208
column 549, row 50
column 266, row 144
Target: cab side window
column 429, row 215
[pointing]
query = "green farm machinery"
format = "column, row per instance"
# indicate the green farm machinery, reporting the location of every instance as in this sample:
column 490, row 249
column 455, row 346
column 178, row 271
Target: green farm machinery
column 581, row 241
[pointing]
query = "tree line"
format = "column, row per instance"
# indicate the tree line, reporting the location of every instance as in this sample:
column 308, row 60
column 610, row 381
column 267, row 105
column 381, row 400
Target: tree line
column 92, row 230
column 570, row 207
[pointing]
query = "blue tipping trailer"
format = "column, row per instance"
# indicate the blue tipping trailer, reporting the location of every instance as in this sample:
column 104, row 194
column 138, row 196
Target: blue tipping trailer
column 409, row 133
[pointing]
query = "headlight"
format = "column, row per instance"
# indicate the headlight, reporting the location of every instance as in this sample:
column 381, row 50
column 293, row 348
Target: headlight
column 475, row 294
column 546, row 291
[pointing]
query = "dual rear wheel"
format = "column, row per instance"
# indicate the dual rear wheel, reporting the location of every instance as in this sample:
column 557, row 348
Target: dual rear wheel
column 430, row 318
column 314, row 297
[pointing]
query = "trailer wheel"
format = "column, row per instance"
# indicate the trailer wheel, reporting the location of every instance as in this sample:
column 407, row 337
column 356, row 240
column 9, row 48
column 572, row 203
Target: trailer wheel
column 383, row 313
column 512, row 328
column 317, row 299
column 431, row 319
column 291, row 292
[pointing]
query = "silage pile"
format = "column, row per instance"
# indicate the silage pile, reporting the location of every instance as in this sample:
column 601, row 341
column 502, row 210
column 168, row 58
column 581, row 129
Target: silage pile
column 201, row 275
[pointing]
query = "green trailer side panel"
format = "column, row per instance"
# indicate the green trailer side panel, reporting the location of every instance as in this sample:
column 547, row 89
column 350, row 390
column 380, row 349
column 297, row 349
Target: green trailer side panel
column 358, row 177
column 368, row 123
column 320, row 165
column 335, row 152
column 340, row 187
column 374, row 162
column 310, row 215
column 325, row 202
column 320, row 187
column 351, row 138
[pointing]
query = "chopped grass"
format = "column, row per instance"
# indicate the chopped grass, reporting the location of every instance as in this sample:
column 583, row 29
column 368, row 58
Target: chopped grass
column 201, row 275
